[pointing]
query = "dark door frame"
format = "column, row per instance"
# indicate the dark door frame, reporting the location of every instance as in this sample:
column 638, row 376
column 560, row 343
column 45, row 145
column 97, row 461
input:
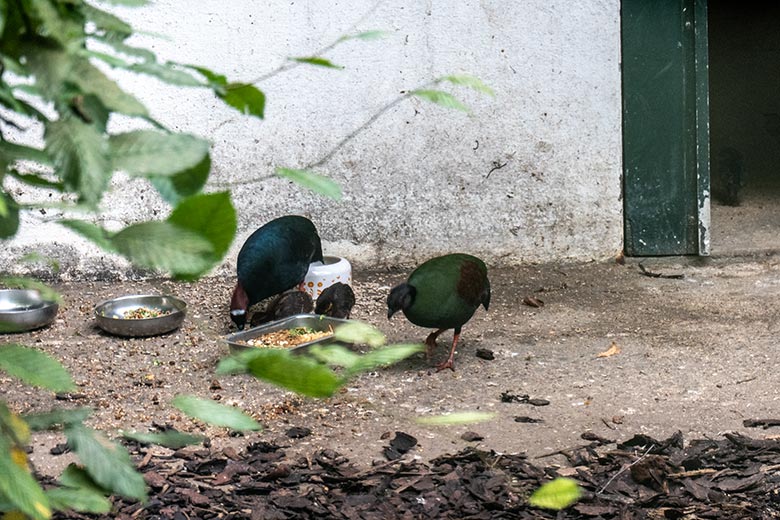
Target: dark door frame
column 666, row 176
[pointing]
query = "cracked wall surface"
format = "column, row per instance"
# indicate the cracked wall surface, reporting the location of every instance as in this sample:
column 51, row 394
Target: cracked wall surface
column 530, row 175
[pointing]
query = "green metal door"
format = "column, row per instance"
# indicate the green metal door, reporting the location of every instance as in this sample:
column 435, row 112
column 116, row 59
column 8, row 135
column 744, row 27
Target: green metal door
column 665, row 127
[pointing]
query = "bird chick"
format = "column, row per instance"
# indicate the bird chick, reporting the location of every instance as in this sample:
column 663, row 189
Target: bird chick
column 336, row 301
column 442, row 293
column 292, row 303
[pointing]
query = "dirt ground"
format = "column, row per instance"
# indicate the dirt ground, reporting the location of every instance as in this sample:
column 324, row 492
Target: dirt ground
column 697, row 354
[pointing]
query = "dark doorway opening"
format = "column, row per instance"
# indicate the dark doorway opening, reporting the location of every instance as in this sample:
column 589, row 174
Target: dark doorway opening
column 744, row 76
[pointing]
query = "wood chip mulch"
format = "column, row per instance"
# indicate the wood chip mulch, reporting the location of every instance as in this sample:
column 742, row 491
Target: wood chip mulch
column 734, row 477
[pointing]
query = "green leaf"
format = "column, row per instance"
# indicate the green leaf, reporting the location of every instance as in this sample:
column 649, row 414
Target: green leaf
column 470, row 82
column 121, row 47
column 246, row 98
column 91, row 232
column 166, row 246
column 35, row 368
column 214, row 413
column 33, row 257
column 80, row 153
column 440, row 97
column 210, row 216
column 16, row 152
column 60, row 75
column 334, row 355
column 36, row 180
column 297, row 373
column 3, row 15
column 20, row 282
column 20, row 488
column 170, row 439
column 90, row 109
column 359, row 333
column 107, row 462
column 23, row 107
column 312, row 181
column 384, row 356
column 13, row 65
column 13, row 427
column 48, row 420
column 7, row 97
column 558, row 494
column 105, row 21
column 237, row 363
column 214, row 79
column 9, row 216
column 365, row 35
column 149, row 152
column 166, row 73
column 90, row 80
column 78, row 499
column 107, row 58
column 63, row 26
column 316, row 60
column 173, row 188
column 456, row 418
column 74, row 476
column 337, row 355
column 129, row 3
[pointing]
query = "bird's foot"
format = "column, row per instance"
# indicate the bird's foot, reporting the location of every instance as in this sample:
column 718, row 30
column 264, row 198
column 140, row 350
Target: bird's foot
column 430, row 346
column 446, row 364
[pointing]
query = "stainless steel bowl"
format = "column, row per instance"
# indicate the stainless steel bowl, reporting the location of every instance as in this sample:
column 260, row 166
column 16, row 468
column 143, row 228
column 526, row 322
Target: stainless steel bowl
column 110, row 315
column 237, row 341
column 24, row 309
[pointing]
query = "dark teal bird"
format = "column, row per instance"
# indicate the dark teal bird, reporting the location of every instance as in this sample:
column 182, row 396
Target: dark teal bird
column 273, row 259
column 443, row 293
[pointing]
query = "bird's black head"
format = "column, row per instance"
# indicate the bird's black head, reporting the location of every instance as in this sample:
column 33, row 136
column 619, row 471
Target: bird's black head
column 239, row 318
column 401, row 297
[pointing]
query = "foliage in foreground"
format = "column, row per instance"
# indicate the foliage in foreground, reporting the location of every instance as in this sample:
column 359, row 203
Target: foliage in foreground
column 557, row 494
column 49, row 80
column 106, row 468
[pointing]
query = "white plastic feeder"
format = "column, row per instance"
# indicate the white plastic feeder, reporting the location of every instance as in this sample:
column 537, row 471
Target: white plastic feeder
column 324, row 274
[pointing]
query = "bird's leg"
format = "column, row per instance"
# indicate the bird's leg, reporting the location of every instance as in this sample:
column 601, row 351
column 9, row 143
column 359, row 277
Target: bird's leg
column 430, row 343
column 448, row 363
column 301, row 287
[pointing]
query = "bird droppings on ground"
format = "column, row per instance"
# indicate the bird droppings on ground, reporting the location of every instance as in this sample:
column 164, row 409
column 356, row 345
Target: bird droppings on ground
column 698, row 355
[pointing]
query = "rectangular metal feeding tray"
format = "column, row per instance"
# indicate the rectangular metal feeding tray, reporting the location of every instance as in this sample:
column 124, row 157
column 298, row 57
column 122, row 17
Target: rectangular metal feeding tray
column 237, row 341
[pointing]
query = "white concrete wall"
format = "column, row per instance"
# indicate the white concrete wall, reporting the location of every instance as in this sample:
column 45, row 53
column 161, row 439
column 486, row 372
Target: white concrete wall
column 418, row 181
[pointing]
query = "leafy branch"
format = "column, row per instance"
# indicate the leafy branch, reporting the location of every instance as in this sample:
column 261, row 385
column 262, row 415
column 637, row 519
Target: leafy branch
column 316, row 58
column 314, row 182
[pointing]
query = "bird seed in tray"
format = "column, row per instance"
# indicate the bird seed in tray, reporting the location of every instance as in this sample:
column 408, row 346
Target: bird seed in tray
column 142, row 313
column 288, row 338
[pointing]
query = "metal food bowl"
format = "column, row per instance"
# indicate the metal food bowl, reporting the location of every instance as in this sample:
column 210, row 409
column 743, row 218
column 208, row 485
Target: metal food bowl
column 110, row 315
column 24, row 309
column 237, row 340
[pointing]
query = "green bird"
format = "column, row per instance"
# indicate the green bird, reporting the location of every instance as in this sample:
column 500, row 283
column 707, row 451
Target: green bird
column 443, row 293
